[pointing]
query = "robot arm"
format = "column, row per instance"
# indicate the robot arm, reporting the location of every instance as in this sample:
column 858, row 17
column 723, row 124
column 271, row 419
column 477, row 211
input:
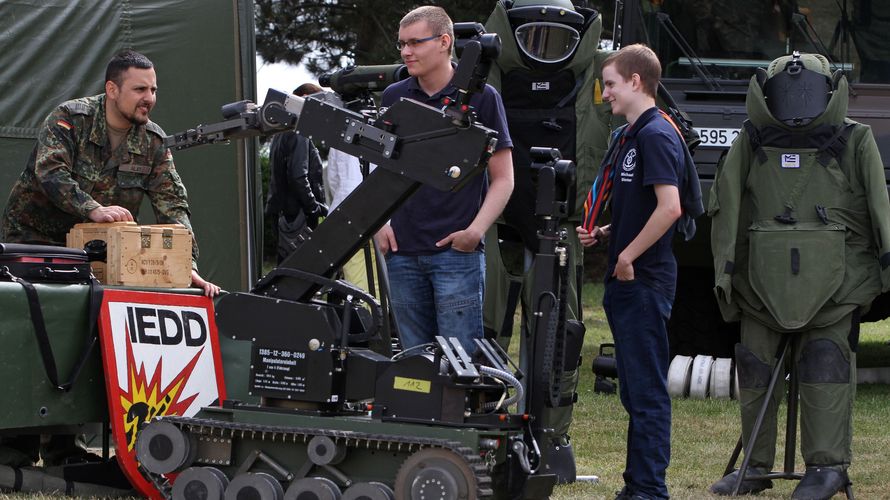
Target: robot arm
column 402, row 136
column 411, row 143
column 243, row 119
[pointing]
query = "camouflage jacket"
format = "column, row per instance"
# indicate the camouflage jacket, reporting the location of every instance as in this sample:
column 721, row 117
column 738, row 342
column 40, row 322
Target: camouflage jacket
column 72, row 170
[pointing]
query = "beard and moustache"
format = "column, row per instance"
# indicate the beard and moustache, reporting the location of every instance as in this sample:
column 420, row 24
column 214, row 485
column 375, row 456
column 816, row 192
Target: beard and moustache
column 134, row 117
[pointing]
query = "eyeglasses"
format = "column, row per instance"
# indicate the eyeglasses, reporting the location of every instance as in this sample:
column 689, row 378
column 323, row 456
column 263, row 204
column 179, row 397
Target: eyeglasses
column 414, row 42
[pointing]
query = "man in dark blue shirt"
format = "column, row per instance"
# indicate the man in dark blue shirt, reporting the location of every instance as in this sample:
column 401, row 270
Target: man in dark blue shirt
column 434, row 241
column 642, row 271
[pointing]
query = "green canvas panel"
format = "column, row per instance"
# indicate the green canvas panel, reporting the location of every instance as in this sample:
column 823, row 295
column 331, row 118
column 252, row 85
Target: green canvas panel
column 12, row 161
column 204, row 53
column 32, row 401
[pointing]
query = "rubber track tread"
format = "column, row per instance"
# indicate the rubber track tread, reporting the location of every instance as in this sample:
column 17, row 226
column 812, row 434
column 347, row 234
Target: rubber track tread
column 355, row 439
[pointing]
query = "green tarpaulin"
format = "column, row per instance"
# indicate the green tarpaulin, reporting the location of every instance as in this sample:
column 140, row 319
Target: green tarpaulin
column 203, row 51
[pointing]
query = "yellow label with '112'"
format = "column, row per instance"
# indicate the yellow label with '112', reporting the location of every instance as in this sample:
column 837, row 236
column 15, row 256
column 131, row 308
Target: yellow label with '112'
column 411, row 384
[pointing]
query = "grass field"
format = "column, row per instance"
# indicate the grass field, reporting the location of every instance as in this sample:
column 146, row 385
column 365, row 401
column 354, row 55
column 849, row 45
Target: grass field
column 705, row 431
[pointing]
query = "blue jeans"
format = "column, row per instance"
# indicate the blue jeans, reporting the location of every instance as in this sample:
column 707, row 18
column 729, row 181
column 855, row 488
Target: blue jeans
column 439, row 294
column 638, row 317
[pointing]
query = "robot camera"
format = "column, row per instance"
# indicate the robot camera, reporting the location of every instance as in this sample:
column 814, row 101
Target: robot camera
column 233, row 109
column 552, row 157
column 358, row 80
column 545, row 155
column 549, row 169
column 469, row 32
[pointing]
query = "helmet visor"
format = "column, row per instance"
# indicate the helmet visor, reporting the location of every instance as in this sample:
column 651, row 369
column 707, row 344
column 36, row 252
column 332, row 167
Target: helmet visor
column 797, row 95
column 547, row 42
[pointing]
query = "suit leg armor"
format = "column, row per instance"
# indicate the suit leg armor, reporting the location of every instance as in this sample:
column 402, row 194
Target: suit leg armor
column 826, row 366
column 504, row 278
column 827, row 373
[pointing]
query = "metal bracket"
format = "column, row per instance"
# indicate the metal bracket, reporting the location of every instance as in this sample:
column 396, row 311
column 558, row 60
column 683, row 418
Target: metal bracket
column 146, row 237
column 214, row 450
column 356, row 130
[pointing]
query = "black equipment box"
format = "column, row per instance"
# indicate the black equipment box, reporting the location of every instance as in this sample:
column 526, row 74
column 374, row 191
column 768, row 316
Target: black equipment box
column 44, row 263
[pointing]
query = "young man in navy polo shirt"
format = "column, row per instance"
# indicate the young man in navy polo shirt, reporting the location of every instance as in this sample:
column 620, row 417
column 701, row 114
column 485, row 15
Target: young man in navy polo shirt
column 433, row 244
column 642, row 271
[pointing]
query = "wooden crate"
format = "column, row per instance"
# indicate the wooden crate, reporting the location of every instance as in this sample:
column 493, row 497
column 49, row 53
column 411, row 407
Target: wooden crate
column 80, row 234
column 151, row 256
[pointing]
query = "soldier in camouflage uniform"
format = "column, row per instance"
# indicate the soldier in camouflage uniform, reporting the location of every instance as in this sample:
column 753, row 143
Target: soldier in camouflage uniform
column 95, row 159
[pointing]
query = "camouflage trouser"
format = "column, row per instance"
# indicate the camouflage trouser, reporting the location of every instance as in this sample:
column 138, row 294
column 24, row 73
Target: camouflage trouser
column 510, row 264
column 19, row 451
column 23, row 450
column 826, row 370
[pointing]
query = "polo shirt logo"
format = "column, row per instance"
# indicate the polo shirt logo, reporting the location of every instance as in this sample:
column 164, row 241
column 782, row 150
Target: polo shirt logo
column 628, row 165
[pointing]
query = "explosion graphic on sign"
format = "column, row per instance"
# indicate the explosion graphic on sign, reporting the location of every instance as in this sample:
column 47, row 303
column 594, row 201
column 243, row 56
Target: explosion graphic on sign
column 145, row 399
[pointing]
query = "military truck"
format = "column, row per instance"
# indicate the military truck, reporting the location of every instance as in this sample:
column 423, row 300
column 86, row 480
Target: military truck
column 709, row 50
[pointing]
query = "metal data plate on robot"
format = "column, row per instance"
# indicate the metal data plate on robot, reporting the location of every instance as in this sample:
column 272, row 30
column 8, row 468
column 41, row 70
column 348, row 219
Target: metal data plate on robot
column 291, row 355
column 301, row 374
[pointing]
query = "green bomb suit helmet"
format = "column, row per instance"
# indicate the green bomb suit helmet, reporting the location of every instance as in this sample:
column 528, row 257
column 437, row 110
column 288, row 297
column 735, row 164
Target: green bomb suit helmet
column 797, row 89
column 799, row 207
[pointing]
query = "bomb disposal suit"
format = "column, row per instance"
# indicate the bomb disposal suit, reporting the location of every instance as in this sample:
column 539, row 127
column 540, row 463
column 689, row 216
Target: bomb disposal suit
column 800, row 234
column 549, row 57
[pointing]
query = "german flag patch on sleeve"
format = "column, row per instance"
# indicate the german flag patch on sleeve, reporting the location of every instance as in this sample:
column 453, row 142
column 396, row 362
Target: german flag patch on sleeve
column 65, row 125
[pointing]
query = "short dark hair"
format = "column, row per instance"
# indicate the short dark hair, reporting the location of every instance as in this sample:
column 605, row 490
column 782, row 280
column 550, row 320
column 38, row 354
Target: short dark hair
column 639, row 59
column 306, row 89
column 122, row 61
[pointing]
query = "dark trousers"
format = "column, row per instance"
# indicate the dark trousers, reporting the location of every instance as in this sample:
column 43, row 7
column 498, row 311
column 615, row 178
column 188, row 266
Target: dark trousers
column 638, row 317
column 289, row 232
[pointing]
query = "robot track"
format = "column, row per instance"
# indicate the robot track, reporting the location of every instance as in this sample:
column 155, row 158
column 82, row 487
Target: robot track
column 218, row 459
